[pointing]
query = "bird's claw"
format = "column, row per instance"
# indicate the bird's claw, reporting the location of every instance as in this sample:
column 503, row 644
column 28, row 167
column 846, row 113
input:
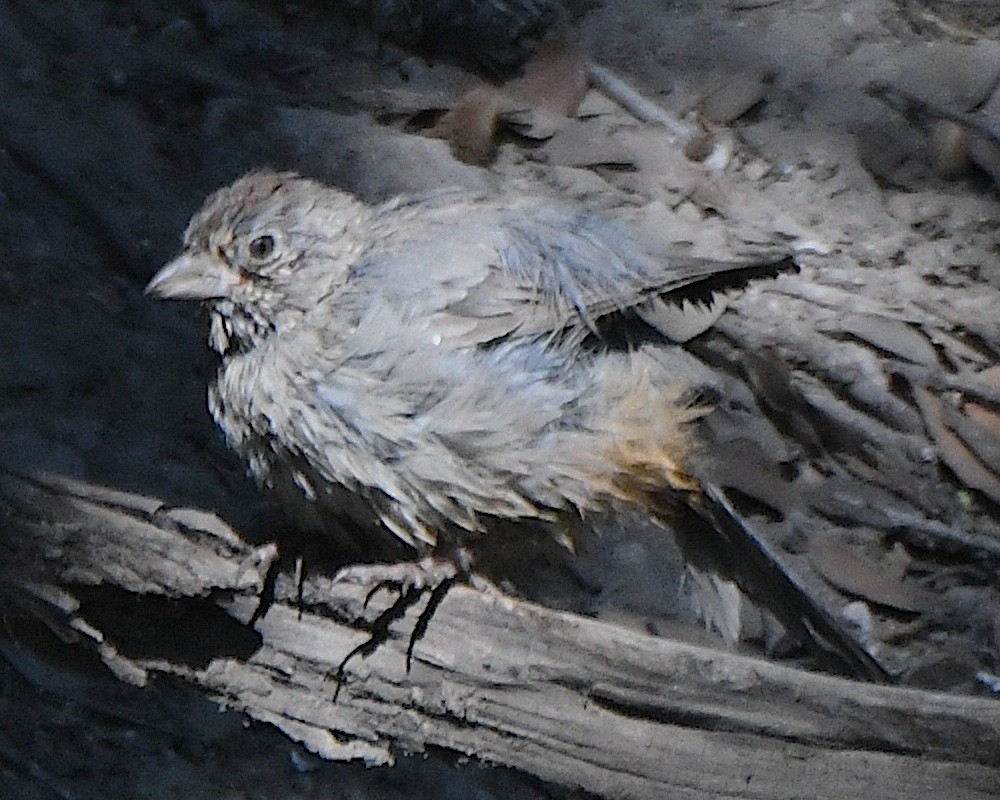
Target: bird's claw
column 410, row 581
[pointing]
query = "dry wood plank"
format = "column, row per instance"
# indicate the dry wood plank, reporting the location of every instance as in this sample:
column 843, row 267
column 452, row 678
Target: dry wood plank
column 570, row 699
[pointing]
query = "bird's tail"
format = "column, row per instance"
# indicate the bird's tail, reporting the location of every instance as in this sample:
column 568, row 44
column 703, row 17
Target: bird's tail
column 714, row 537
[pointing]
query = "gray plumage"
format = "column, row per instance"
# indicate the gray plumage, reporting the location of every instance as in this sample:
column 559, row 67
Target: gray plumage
column 426, row 354
column 438, row 367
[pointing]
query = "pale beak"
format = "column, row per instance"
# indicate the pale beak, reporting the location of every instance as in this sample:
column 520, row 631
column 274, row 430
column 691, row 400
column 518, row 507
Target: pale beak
column 194, row 277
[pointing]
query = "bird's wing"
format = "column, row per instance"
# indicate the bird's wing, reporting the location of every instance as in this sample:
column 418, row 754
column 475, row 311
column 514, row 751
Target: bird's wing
column 482, row 271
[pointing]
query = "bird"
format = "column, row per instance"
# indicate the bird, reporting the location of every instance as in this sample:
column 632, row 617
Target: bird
column 439, row 367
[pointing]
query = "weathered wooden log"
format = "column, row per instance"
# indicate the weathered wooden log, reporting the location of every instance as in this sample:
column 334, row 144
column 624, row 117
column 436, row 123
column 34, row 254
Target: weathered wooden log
column 570, row 699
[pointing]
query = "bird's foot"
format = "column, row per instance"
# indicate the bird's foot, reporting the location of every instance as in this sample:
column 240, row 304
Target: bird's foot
column 419, row 575
column 410, row 581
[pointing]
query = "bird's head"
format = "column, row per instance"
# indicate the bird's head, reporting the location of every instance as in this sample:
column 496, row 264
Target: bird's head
column 263, row 251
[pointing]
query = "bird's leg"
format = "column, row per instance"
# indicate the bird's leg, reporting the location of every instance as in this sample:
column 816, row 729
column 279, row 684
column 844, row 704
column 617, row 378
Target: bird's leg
column 410, row 580
column 267, row 563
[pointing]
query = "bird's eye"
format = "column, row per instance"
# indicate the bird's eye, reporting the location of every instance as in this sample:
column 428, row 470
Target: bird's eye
column 262, row 247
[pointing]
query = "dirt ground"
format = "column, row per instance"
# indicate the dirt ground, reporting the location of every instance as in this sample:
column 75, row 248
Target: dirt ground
column 119, row 118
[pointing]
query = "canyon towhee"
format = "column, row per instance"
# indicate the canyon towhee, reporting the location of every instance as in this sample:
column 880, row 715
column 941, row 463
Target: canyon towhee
column 444, row 365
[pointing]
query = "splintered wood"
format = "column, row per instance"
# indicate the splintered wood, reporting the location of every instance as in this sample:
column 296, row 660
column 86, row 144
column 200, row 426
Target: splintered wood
column 569, row 699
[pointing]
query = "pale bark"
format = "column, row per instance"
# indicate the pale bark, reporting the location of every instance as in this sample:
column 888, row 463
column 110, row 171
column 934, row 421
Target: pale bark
column 570, row 699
